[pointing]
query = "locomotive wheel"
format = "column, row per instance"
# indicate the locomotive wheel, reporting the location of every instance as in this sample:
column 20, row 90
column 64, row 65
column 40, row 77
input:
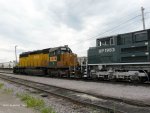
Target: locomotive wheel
column 94, row 77
column 112, row 78
column 135, row 79
column 143, row 79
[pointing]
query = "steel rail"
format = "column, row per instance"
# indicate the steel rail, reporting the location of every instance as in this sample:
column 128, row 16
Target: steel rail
column 146, row 84
column 58, row 91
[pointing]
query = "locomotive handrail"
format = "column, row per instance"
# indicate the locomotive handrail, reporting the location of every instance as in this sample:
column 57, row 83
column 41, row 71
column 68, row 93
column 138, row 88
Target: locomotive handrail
column 146, row 75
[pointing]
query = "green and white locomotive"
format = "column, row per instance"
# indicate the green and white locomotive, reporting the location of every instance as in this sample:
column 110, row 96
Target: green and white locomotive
column 121, row 57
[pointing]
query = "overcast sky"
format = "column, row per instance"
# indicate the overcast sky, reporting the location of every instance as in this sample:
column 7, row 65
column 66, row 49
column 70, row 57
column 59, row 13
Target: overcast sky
column 39, row 24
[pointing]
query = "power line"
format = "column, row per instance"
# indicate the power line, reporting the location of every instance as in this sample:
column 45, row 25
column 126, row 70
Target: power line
column 147, row 12
column 109, row 30
column 140, row 19
column 116, row 29
column 94, row 36
column 121, row 27
column 147, row 18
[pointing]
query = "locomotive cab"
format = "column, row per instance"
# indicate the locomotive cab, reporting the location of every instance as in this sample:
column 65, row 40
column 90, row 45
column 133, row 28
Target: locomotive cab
column 62, row 62
column 62, row 57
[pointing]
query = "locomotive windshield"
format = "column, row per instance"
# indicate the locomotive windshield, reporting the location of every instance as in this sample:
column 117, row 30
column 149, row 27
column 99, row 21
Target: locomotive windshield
column 141, row 36
column 105, row 41
column 65, row 50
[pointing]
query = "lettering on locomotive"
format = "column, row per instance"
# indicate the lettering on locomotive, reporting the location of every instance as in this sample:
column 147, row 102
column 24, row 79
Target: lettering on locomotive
column 106, row 50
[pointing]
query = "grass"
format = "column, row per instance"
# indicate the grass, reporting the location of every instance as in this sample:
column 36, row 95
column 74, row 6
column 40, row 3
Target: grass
column 1, row 85
column 47, row 110
column 32, row 101
column 8, row 90
column 35, row 103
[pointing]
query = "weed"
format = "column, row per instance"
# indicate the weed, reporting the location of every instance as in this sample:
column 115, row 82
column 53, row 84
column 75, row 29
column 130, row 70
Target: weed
column 1, row 85
column 32, row 101
column 8, row 90
column 47, row 110
column 24, row 97
column 35, row 103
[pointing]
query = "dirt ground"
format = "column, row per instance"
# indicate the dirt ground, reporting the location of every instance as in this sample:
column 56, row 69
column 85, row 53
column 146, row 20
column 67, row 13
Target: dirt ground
column 11, row 104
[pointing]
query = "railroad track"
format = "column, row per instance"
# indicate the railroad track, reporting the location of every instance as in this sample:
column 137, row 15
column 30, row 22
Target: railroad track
column 76, row 96
column 104, row 81
column 62, row 92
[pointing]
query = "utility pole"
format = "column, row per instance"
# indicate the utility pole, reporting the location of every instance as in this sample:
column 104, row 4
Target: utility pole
column 16, row 53
column 143, row 19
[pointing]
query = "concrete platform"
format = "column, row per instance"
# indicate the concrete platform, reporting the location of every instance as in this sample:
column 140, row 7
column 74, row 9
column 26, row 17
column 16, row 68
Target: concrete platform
column 117, row 91
column 11, row 104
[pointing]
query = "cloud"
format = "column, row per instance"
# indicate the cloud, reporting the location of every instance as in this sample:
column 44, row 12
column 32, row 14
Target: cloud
column 38, row 24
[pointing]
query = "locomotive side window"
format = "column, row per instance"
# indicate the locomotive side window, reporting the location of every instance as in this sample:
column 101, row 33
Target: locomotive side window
column 125, row 39
column 103, row 43
column 65, row 50
column 99, row 43
column 53, row 53
column 62, row 52
column 58, row 52
column 112, row 42
column 122, row 40
column 106, row 41
column 139, row 37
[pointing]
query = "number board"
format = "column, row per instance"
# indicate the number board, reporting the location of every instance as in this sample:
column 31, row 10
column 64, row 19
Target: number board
column 107, row 50
column 52, row 59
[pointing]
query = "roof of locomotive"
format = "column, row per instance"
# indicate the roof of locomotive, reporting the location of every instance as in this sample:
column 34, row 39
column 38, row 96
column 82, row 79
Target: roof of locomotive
column 24, row 54
column 105, row 37
column 47, row 50
column 56, row 48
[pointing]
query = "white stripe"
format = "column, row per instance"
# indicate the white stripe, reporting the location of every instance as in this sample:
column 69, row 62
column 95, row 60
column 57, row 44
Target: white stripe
column 121, row 63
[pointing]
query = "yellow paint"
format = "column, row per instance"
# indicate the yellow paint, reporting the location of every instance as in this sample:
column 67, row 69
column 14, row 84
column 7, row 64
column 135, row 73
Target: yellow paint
column 42, row 60
column 35, row 60
column 67, row 60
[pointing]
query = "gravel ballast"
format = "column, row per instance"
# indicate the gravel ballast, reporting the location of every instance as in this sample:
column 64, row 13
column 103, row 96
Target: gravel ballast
column 59, row 105
column 140, row 93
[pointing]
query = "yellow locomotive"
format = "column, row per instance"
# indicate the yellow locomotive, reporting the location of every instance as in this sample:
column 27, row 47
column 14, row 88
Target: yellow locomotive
column 58, row 61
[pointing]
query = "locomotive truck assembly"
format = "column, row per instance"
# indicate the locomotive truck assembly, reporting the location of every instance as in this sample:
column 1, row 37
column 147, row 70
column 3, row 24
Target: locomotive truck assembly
column 119, row 57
